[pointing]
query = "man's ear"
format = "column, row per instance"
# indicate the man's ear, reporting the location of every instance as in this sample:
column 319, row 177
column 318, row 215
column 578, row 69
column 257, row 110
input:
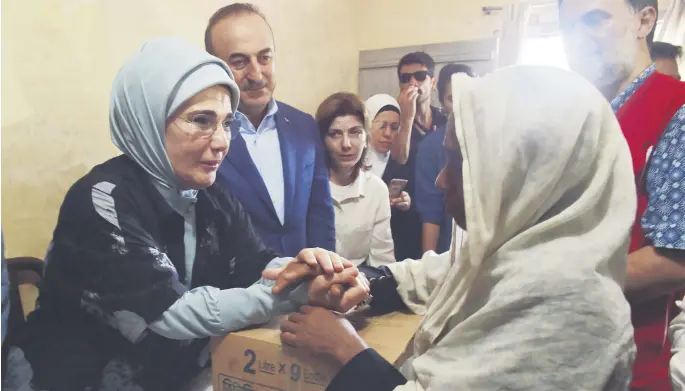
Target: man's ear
column 647, row 17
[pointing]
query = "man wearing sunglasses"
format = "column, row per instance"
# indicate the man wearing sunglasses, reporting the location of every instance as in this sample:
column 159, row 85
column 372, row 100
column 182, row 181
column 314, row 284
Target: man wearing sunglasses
column 417, row 119
column 416, row 75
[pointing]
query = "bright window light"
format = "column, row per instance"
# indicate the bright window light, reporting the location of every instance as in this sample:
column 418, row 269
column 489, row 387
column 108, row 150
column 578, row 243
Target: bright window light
column 544, row 51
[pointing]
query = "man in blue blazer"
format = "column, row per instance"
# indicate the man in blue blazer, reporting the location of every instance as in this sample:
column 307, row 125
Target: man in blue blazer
column 275, row 164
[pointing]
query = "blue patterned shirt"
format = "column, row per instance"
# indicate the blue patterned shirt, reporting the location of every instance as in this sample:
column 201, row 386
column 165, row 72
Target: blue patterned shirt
column 664, row 220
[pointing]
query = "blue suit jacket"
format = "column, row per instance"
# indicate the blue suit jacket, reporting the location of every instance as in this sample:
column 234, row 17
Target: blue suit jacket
column 309, row 218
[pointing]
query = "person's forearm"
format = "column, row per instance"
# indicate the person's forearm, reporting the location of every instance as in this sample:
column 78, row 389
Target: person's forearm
column 207, row 311
column 653, row 273
column 430, row 236
column 400, row 148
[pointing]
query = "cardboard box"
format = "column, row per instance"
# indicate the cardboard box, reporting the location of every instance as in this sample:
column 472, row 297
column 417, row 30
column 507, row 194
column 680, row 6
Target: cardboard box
column 255, row 360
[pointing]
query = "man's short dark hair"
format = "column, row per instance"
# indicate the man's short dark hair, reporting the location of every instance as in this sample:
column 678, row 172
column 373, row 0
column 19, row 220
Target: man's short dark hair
column 421, row 58
column 445, row 76
column 227, row 11
column 639, row 5
column 665, row 50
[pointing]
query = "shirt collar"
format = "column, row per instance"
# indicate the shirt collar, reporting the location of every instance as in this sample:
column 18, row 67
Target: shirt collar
column 181, row 201
column 438, row 119
column 271, row 110
column 354, row 190
column 623, row 97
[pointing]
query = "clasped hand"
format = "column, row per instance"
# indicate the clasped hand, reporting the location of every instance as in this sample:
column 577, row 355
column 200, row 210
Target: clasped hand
column 334, row 282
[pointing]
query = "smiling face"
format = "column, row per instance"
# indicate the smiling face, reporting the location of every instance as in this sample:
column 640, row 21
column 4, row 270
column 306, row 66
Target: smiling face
column 198, row 137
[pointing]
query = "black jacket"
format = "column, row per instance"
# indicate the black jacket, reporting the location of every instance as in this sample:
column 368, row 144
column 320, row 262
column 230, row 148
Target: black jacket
column 113, row 270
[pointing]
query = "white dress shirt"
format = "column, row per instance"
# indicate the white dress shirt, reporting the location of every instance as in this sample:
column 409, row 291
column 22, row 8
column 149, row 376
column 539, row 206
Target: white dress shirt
column 362, row 221
column 265, row 150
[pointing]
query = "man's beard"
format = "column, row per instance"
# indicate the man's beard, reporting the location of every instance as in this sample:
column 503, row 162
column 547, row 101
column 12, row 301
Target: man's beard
column 606, row 76
column 606, row 67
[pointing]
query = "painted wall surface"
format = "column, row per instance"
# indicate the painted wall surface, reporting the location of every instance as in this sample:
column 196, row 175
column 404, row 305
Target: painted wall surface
column 394, row 23
column 59, row 58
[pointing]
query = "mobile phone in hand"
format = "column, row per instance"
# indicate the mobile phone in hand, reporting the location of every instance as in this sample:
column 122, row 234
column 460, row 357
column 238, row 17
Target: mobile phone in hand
column 396, row 186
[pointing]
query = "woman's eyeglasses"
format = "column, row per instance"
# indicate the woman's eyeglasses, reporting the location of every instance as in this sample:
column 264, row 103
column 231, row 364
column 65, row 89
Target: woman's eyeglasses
column 205, row 125
column 418, row 76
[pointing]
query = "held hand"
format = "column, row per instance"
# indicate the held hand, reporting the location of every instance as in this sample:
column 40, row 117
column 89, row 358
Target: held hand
column 322, row 332
column 329, row 261
column 403, row 202
column 309, row 263
column 339, row 292
column 407, row 101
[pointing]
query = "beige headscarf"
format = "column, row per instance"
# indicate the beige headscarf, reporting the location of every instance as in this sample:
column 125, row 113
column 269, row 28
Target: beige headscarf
column 535, row 301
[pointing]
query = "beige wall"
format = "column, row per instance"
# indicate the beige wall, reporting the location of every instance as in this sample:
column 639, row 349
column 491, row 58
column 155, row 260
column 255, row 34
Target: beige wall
column 60, row 56
column 395, row 23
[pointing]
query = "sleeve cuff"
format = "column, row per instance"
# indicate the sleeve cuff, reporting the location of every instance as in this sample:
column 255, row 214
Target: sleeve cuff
column 386, row 299
column 367, row 371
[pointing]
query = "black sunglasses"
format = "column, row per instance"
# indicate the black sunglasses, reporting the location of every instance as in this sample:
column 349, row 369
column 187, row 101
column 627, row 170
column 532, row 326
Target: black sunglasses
column 418, row 76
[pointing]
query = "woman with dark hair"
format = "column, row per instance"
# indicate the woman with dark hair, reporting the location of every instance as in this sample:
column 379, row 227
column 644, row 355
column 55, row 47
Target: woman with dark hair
column 360, row 198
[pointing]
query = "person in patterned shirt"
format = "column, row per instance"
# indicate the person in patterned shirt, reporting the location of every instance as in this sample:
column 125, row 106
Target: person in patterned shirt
column 608, row 41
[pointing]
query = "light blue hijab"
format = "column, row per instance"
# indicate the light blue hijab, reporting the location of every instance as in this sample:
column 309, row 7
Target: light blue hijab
column 146, row 92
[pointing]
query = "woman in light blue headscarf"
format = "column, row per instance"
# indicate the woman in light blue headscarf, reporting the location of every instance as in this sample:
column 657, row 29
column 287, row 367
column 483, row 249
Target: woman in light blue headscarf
column 149, row 257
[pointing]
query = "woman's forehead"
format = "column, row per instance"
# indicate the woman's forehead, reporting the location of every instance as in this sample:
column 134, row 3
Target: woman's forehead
column 345, row 122
column 387, row 115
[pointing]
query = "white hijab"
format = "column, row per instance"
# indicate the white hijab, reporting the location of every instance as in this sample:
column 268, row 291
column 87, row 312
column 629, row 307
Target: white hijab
column 535, row 301
column 378, row 161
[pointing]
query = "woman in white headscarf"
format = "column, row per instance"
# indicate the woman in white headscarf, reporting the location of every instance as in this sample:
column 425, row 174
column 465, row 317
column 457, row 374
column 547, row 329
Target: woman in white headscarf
column 539, row 174
column 149, row 258
column 384, row 116
column 383, row 112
